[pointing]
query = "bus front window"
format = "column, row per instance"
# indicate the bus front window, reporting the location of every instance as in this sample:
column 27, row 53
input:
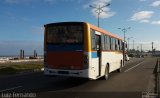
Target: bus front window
column 65, row 34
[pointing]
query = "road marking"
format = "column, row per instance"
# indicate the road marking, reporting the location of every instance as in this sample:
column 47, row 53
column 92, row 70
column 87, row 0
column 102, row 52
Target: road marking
column 11, row 88
column 133, row 67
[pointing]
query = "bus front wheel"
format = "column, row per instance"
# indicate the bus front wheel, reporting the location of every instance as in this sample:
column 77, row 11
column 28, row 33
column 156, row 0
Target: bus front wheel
column 106, row 76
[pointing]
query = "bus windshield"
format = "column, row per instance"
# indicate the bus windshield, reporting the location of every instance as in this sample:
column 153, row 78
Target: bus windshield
column 65, row 34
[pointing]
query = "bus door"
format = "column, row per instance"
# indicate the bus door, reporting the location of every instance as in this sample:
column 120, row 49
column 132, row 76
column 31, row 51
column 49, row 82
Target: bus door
column 98, row 50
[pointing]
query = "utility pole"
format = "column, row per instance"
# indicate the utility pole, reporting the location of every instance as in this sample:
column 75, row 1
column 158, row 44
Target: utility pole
column 137, row 50
column 152, row 48
column 133, row 44
column 99, row 9
column 128, row 42
column 23, row 54
column 141, row 49
column 133, row 48
column 35, row 54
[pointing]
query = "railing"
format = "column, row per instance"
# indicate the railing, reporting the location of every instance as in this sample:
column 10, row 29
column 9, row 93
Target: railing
column 157, row 78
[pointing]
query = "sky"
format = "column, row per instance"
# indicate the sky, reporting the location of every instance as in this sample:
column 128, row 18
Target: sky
column 22, row 21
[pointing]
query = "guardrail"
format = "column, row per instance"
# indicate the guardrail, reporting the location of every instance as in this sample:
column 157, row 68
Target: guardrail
column 157, row 78
column 158, row 66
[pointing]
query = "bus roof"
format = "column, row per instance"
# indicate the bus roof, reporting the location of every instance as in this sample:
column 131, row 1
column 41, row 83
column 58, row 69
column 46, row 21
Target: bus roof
column 104, row 31
column 56, row 23
column 92, row 26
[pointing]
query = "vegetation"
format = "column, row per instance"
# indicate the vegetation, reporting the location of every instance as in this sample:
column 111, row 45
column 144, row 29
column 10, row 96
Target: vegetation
column 19, row 68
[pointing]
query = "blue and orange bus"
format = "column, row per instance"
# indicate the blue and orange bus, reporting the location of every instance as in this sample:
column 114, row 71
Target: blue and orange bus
column 79, row 49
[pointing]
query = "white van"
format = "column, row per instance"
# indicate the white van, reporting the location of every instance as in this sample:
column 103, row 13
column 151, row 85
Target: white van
column 126, row 57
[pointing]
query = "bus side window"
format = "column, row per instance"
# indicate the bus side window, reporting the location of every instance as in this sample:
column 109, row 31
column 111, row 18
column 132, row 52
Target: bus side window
column 111, row 44
column 97, row 42
column 116, row 47
column 108, row 43
column 93, row 38
column 102, row 42
column 119, row 45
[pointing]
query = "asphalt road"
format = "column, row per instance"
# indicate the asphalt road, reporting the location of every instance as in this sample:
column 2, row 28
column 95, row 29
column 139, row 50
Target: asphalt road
column 136, row 77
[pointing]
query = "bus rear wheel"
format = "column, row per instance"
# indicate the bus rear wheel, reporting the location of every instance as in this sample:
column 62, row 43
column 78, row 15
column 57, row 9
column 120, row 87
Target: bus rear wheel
column 106, row 76
column 120, row 69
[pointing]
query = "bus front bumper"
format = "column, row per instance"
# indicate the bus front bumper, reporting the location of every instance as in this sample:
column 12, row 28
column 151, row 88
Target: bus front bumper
column 72, row 73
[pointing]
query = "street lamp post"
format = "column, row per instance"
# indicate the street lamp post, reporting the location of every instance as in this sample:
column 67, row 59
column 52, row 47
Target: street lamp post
column 137, row 50
column 99, row 10
column 152, row 48
column 133, row 44
column 128, row 42
column 124, row 30
column 141, row 50
column 133, row 48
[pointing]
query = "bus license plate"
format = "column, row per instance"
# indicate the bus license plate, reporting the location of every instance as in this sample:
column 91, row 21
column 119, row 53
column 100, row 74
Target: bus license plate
column 63, row 72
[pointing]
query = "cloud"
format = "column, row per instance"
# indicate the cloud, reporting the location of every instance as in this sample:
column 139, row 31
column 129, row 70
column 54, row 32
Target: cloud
column 142, row 16
column 100, row 2
column 35, row 1
column 106, row 14
column 29, row 1
column 156, row 3
column 106, row 11
column 145, row 21
column 156, row 22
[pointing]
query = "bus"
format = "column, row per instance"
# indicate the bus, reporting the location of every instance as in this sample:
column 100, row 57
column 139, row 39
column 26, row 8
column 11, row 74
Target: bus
column 80, row 49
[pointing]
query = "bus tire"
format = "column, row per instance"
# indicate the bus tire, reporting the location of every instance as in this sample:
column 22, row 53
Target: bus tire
column 120, row 69
column 106, row 76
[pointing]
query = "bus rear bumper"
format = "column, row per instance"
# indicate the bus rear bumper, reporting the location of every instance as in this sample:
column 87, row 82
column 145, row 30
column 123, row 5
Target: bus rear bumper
column 72, row 73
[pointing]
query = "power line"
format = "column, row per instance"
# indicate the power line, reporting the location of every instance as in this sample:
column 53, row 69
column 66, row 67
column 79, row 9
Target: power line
column 152, row 48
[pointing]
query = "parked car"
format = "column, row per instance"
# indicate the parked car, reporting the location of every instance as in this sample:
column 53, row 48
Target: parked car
column 126, row 57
